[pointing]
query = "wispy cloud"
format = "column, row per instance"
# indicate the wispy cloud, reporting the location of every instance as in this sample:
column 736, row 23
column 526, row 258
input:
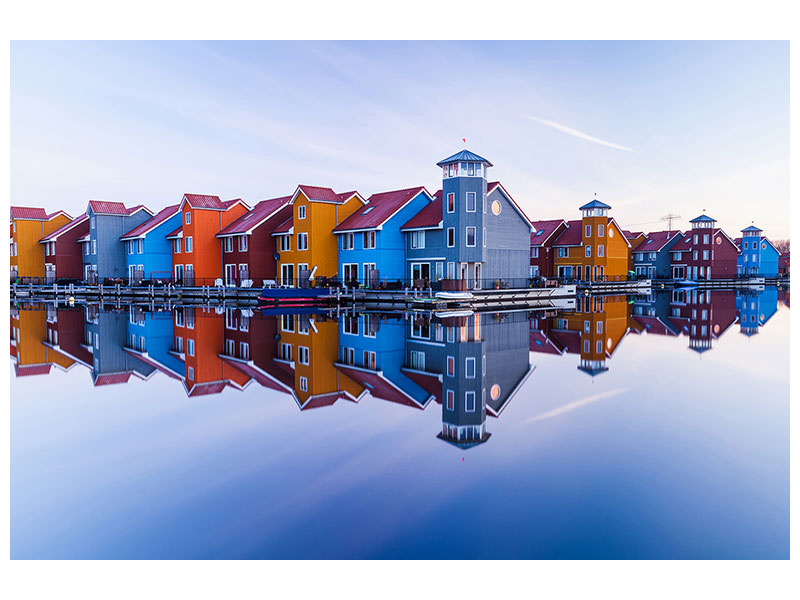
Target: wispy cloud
column 578, row 134
column 577, row 404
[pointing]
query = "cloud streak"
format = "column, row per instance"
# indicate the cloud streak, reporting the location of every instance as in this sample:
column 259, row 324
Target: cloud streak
column 576, row 404
column 578, row 134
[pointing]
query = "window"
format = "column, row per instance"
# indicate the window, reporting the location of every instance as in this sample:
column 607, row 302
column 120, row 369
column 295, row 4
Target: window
column 302, row 241
column 439, row 271
column 535, row 252
column 140, row 246
column 563, row 252
column 93, row 222
column 303, row 384
column 417, row 360
column 471, row 169
column 369, row 240
column 421, row 329
column 189, row 244
column 587, row 251
column 471, row 203
column 350, row 325
column 347, row 241
column 600, row 231
column 469, row 367
column 190, row 347
column 369, row 359
column 94, row 246
column 652, row 255
column 287, row 323
column 242, row 243
column 190, row 373
column 451, row 237
column 470, row 236
column 705, row 238
column 484, row 237
column 695, row 254
column 588, row 232
column 451, row 366
column 600, row 250
column 285, row 243
column 451, row 202
column 176, row 246
column 286, row 352
column 586, row 346
column 469, row 401
column 705, row 254
column 451, row 270
column 188, row 218
column 451, row 400
column 179, row 345
column 745, row 245
column 695, row 238
column 599, row 346
column 130, row 246
column 301, row 212
column 587, row 326
column 302, row 355
column 417, row 239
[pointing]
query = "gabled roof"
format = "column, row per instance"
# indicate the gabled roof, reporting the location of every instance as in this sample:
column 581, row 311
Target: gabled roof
column 379, row 209
column 29, row 213
column 202, row 201
column 686, row 242
column 152, row 223
column 85, row 238
column 543, row 230
column 112, row 378
column 175, row 234
column 285, row 227
column 751, row 228
column 738, row 242
column 139, row 207
column 632, row 235
column 594, row 204
column 495, row 185
column 230, row 203
column 655, row 241
column 54, row 235
column 53, row 215
column 26, row 370
column 430, row 217
column 324, row 194
column 571, row 236
column 466, row 156
column 104, row 207
column 256, row 216
column 380, row 386
column 702, row 219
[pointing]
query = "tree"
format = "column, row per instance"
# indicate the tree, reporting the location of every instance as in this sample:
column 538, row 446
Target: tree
column 781, row 246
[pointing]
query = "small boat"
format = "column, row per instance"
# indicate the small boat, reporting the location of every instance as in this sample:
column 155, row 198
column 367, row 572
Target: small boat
column 685, row 282
column 449, row 314
column 454, row 295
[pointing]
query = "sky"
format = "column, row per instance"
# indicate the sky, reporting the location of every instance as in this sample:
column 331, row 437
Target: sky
column 652, row 128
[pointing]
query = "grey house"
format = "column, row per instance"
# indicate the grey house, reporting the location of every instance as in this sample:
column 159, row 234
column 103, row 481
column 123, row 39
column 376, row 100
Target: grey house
column 652, row 257
column 103, row 253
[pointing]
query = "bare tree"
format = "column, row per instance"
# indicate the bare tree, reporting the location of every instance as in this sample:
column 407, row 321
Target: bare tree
column 781, row 246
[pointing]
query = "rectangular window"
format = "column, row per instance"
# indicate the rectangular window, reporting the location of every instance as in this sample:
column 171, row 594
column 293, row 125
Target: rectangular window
column 347, row 241
column 369, row 359
column 745, row 245
column 484, row 237
column 227, row 244
column 471, row 203
column 302, row 355
column 130, row 246
column 369, row 240
column 350, row 325
column 94, row 246
column 287, row 323
column 588, row 251
column 451, row 237
column 188, row 218
column 417, row 239
column 588, row 232
column 189, row 244
column 140, row 246
column 587, row 326
column 586, row 346
column 563, row 252
column 600, row 231
column 451, row 202
column 470, row 237
column 451, row 400
column 705, row 254
column 242, row 243
column 190, row 347
column 286, row 352
column 599, row 327
column 469, row 401
column 303, row 384
column 600, row 250
column 695, row 238
column 302, row 241
column 417, row 360
column 535, row 252
column 190, row 372
column 301, row 212
column 471, row 169
column 705, row 238
column 451, row 366
column 286, row 243
column 599, row 347
column 176, row 246
column 695, row 255
column 469, row 367
column 451, row 270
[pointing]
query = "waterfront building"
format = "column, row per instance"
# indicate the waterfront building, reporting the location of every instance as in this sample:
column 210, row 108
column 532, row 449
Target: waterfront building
column 757, row 256
column 28, row 226
column 783, row 264
column 148, row 253
column 62, row 253
column 424, row 244
column 705, row 252
column 652, row 256
column 248, row 247
column 371, row 245
column 542, row 252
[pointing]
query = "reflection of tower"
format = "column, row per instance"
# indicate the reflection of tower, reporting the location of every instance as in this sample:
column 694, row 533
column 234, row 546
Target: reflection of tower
column 707, row 316
column 755, row 308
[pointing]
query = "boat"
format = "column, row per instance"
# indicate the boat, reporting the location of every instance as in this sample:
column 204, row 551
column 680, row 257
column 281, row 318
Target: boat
column 449, row 314
column 453, row 296
column 686, row 282
column 295, row 296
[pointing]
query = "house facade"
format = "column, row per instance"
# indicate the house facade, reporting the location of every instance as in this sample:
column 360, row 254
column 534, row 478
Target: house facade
column 542, row 263
column 248, row 246
column 371, row 245
column 652, row 256
column 28, row 226
column 62, row 252
column 148, row 253
column 757, row 255
column 424, row 245
column 705, row 252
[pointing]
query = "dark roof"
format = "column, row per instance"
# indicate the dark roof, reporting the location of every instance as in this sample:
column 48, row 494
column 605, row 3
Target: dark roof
column 54, row 235
column 112, row 378
column 429, row 217
column 738, row 242
column 655, row 241
column 28, row 213
column 464, row 155
column 751, row 228
column 253, row 218
column 594, row 204
column 323, row 194
column 702, row 218
column 25, row 370
column 632, row 235
column 284, row 227
column 544, row 229
column 378, row 385
column 378, row 209
column 104, row 207
column 571, row 236
column 133, row 209
column 153, row 222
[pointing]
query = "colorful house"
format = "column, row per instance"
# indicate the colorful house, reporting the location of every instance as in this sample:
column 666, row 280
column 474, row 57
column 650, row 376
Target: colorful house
column 148, row 253
column 651, row 255
column 592, row 249
column 486, row 234
column 106, row 335
column 542, row 253
column 755, row 308
column 370, row 242
column 196, row 249
column 62, row 252
column 705, row 252
column 424, row 243
column 703, row 315
column 28, row 226
column 248, row 247
column 30, row 331
column 757, row 255
column 783, row 264
column 103, row 255
column 307, row 246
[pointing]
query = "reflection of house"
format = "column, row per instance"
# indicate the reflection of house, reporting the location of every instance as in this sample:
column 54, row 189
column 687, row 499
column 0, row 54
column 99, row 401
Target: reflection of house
column 542, row 252
column 756, row 308
column 29, row 331
column 62, row 251
column 651, row 255
column 150, row 340
column 704, row 315
column 106, row 333
column 757, row 255
column 148, row 253
column 28, row 226
column 705, row 252
column 651, row 315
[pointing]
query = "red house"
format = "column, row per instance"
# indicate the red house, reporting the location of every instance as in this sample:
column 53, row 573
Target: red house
column 542, row 238
column 248, row 245
column 706, row 252
column 63, row 255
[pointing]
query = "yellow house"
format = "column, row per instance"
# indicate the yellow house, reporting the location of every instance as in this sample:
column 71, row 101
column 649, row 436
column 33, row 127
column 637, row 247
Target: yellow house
column 28, row 226
column 307, row 247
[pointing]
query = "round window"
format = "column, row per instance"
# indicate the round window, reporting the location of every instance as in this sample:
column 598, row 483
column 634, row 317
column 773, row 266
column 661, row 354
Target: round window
column 763, row 246
column 719, row 240
column 610, row 232
column 608, row 343
column 497, row 207
column 495, row 392
column 716, row 328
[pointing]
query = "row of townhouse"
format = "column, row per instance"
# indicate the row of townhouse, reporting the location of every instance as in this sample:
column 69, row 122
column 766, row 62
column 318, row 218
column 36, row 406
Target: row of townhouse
column 471, row 231
column 595, row 247
column 415, row 362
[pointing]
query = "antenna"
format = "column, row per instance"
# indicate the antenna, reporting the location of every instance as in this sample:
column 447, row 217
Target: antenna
column 670, row 218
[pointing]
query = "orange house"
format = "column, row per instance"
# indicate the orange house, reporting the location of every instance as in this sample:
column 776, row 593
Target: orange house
column 28, row 226
column 196, row 249
column 307, row 247
column 594, row 248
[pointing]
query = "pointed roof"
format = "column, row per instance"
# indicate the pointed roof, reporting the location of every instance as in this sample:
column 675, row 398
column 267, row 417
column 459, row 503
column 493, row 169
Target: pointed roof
column 256, row 216
column 324, row 194
column 495, row 185
column 594, row 204
column 105, row 207
column 53, row 215
column 152, row 223
column 655, row 241
column 571, row 236
column 430, row 217
column 175, row 234
column 751, row 228
column 285, row 227
column 380, row 208
column 203, row 201
column 29, row 213
column 465, row 156
column 703, row 219
column 544, row 229
column 54, row 235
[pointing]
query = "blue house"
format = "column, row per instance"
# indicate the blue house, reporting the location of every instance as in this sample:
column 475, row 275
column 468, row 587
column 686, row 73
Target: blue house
column 424, row 242
column 652, row 256
column 148, row 252
column 371, row 246
column 757, row 255
column 103, row 255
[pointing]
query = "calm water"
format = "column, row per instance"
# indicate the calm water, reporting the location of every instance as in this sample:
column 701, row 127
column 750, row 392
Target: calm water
column 627, row 428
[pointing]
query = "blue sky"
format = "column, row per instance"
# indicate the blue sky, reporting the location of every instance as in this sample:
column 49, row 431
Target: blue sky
column 651, row 127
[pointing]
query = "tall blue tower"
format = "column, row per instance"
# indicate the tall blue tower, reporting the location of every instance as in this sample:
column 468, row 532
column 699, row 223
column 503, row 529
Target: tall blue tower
column 463, row 214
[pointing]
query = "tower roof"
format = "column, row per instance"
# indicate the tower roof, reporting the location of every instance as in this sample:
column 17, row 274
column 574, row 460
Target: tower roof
column 703, row 219
column 594, row 204
column 466, row 156
column 751, row 228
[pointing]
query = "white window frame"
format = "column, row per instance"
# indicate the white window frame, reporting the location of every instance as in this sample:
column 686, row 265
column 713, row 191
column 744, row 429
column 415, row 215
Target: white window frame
column 470, row 361
column 474, row 237
column 449, row 230
column 450, row 196
column 303, row 355
column 301, row 212
column 467, row 396
column 474, row 198
column 304, row 244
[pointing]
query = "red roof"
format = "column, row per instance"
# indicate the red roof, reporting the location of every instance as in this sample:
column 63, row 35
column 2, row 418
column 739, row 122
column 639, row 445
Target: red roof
column 284, row 227
column 261, row 377
column 323, row 194
column 56, row 213
column 260, row 213
column 631, row 234
column 53, row 235
column 205, row 389
column 103, row 207
column 571, row 236
column 25, row 370
column 738, row 242
column 345, row 196
column 175, row 233
column 112, row 378
column 378, row 209
column 378, row 386
column 539, row 342
column 547, row 228
column 204, row 201
column 152, row 223
column 429, row 382
column 324, row 400
column 655, row 241
column 133, row 209
column 228, row 203
column 429, row 217
column 29, row 213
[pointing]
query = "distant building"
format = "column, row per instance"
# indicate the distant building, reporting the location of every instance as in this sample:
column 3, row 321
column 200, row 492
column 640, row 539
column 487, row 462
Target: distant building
column 542, row 253
column 703, row 315
column 651, row 255
column 757, row 255
column 28, row 226
column 705, row 252
column 783, row 264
